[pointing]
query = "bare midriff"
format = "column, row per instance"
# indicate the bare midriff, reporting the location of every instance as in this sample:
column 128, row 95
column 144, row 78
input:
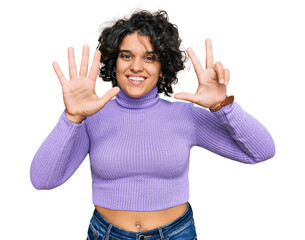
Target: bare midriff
column 129, row 220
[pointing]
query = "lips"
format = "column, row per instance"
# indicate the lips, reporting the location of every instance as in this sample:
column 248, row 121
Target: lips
column 136, row 80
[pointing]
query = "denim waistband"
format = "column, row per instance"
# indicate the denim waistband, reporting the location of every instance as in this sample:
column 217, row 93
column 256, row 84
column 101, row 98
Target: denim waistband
column 162, row 231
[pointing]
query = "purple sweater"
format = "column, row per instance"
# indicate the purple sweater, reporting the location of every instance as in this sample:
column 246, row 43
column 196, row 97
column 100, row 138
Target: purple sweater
column 139, row 149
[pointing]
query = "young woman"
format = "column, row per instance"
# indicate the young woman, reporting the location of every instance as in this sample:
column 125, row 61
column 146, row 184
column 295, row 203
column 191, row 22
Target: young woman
column 138, row 143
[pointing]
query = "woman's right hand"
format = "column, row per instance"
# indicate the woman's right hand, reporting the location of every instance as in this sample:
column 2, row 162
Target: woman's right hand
column 79, row 94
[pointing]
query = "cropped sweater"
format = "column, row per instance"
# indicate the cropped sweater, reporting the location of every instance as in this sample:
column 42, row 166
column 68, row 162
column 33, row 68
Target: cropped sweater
column 139, row 149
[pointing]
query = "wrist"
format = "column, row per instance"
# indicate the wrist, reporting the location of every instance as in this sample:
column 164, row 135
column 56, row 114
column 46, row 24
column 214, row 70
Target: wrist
column 225, row 102
column 74, row 119
column 216, row 105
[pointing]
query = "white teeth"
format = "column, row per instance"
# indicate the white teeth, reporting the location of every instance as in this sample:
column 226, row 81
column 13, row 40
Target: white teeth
column 136, row 78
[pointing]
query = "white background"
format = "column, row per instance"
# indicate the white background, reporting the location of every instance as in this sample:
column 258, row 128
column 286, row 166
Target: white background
column 261, row 42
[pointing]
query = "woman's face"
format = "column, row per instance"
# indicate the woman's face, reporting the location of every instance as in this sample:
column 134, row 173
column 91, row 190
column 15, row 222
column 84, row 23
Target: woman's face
column 137, row 66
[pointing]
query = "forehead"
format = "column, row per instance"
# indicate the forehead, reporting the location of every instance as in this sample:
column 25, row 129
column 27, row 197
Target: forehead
column 136, row 43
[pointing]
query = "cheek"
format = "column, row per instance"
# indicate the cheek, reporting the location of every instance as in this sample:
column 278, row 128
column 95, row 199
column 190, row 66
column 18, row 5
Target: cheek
column 155, row 70
column 120, row 67
column 119, row 72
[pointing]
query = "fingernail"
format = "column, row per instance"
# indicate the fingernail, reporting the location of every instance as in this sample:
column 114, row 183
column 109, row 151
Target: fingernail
column 226, row 83
column 222, row 81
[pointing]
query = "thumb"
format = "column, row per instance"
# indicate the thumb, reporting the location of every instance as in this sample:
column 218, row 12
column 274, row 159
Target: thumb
column 109, row 95
column 185, row 96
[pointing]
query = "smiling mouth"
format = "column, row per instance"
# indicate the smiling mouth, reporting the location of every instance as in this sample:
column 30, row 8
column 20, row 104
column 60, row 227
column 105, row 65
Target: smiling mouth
column 136, row 79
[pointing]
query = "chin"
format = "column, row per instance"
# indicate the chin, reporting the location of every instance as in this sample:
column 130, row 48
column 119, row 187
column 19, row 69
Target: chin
column 137, row 91
column 136, row 94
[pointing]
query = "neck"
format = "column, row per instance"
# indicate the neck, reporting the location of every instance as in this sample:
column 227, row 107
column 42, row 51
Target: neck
column 146, row 101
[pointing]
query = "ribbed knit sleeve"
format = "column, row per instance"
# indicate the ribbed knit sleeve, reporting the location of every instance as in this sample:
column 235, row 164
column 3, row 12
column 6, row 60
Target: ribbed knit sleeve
column 60, row 154
column 232, row 133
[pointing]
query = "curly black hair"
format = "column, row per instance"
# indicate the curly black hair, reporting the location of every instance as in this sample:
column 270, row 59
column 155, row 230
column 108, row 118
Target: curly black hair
column 164, row 38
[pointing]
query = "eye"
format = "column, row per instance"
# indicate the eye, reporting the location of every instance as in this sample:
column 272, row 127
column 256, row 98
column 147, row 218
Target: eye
column 125, row 56
column 151, row 58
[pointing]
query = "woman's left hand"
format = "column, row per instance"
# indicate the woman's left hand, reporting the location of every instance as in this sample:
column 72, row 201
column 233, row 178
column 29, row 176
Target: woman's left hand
column 212, row 82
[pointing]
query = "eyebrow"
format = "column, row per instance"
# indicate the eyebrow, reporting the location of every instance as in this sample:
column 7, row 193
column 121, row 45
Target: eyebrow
column 128, row 51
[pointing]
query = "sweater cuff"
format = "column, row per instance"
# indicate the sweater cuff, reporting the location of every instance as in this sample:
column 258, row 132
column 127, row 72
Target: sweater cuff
column 222, row 113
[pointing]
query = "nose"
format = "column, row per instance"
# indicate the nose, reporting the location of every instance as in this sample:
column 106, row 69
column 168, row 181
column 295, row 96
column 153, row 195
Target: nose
column 136, row 65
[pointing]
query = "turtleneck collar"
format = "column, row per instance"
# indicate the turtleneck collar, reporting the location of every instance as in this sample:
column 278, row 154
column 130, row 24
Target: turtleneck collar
column 146, row 101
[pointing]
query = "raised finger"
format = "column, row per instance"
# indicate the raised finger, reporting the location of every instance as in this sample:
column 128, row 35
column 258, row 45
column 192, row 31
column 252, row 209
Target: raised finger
column 109, row 95
column 227, row 76
column 71, row 61
column 59, row 73
column 220, row 72
column 209, row 54
column 195, row 61
column 84, row 63
column 95, row 65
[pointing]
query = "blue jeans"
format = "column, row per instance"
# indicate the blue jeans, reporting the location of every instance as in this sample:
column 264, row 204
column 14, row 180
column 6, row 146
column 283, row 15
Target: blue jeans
column 183, row 228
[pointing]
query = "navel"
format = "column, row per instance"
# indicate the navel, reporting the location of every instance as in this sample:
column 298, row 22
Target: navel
column 138, row 225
